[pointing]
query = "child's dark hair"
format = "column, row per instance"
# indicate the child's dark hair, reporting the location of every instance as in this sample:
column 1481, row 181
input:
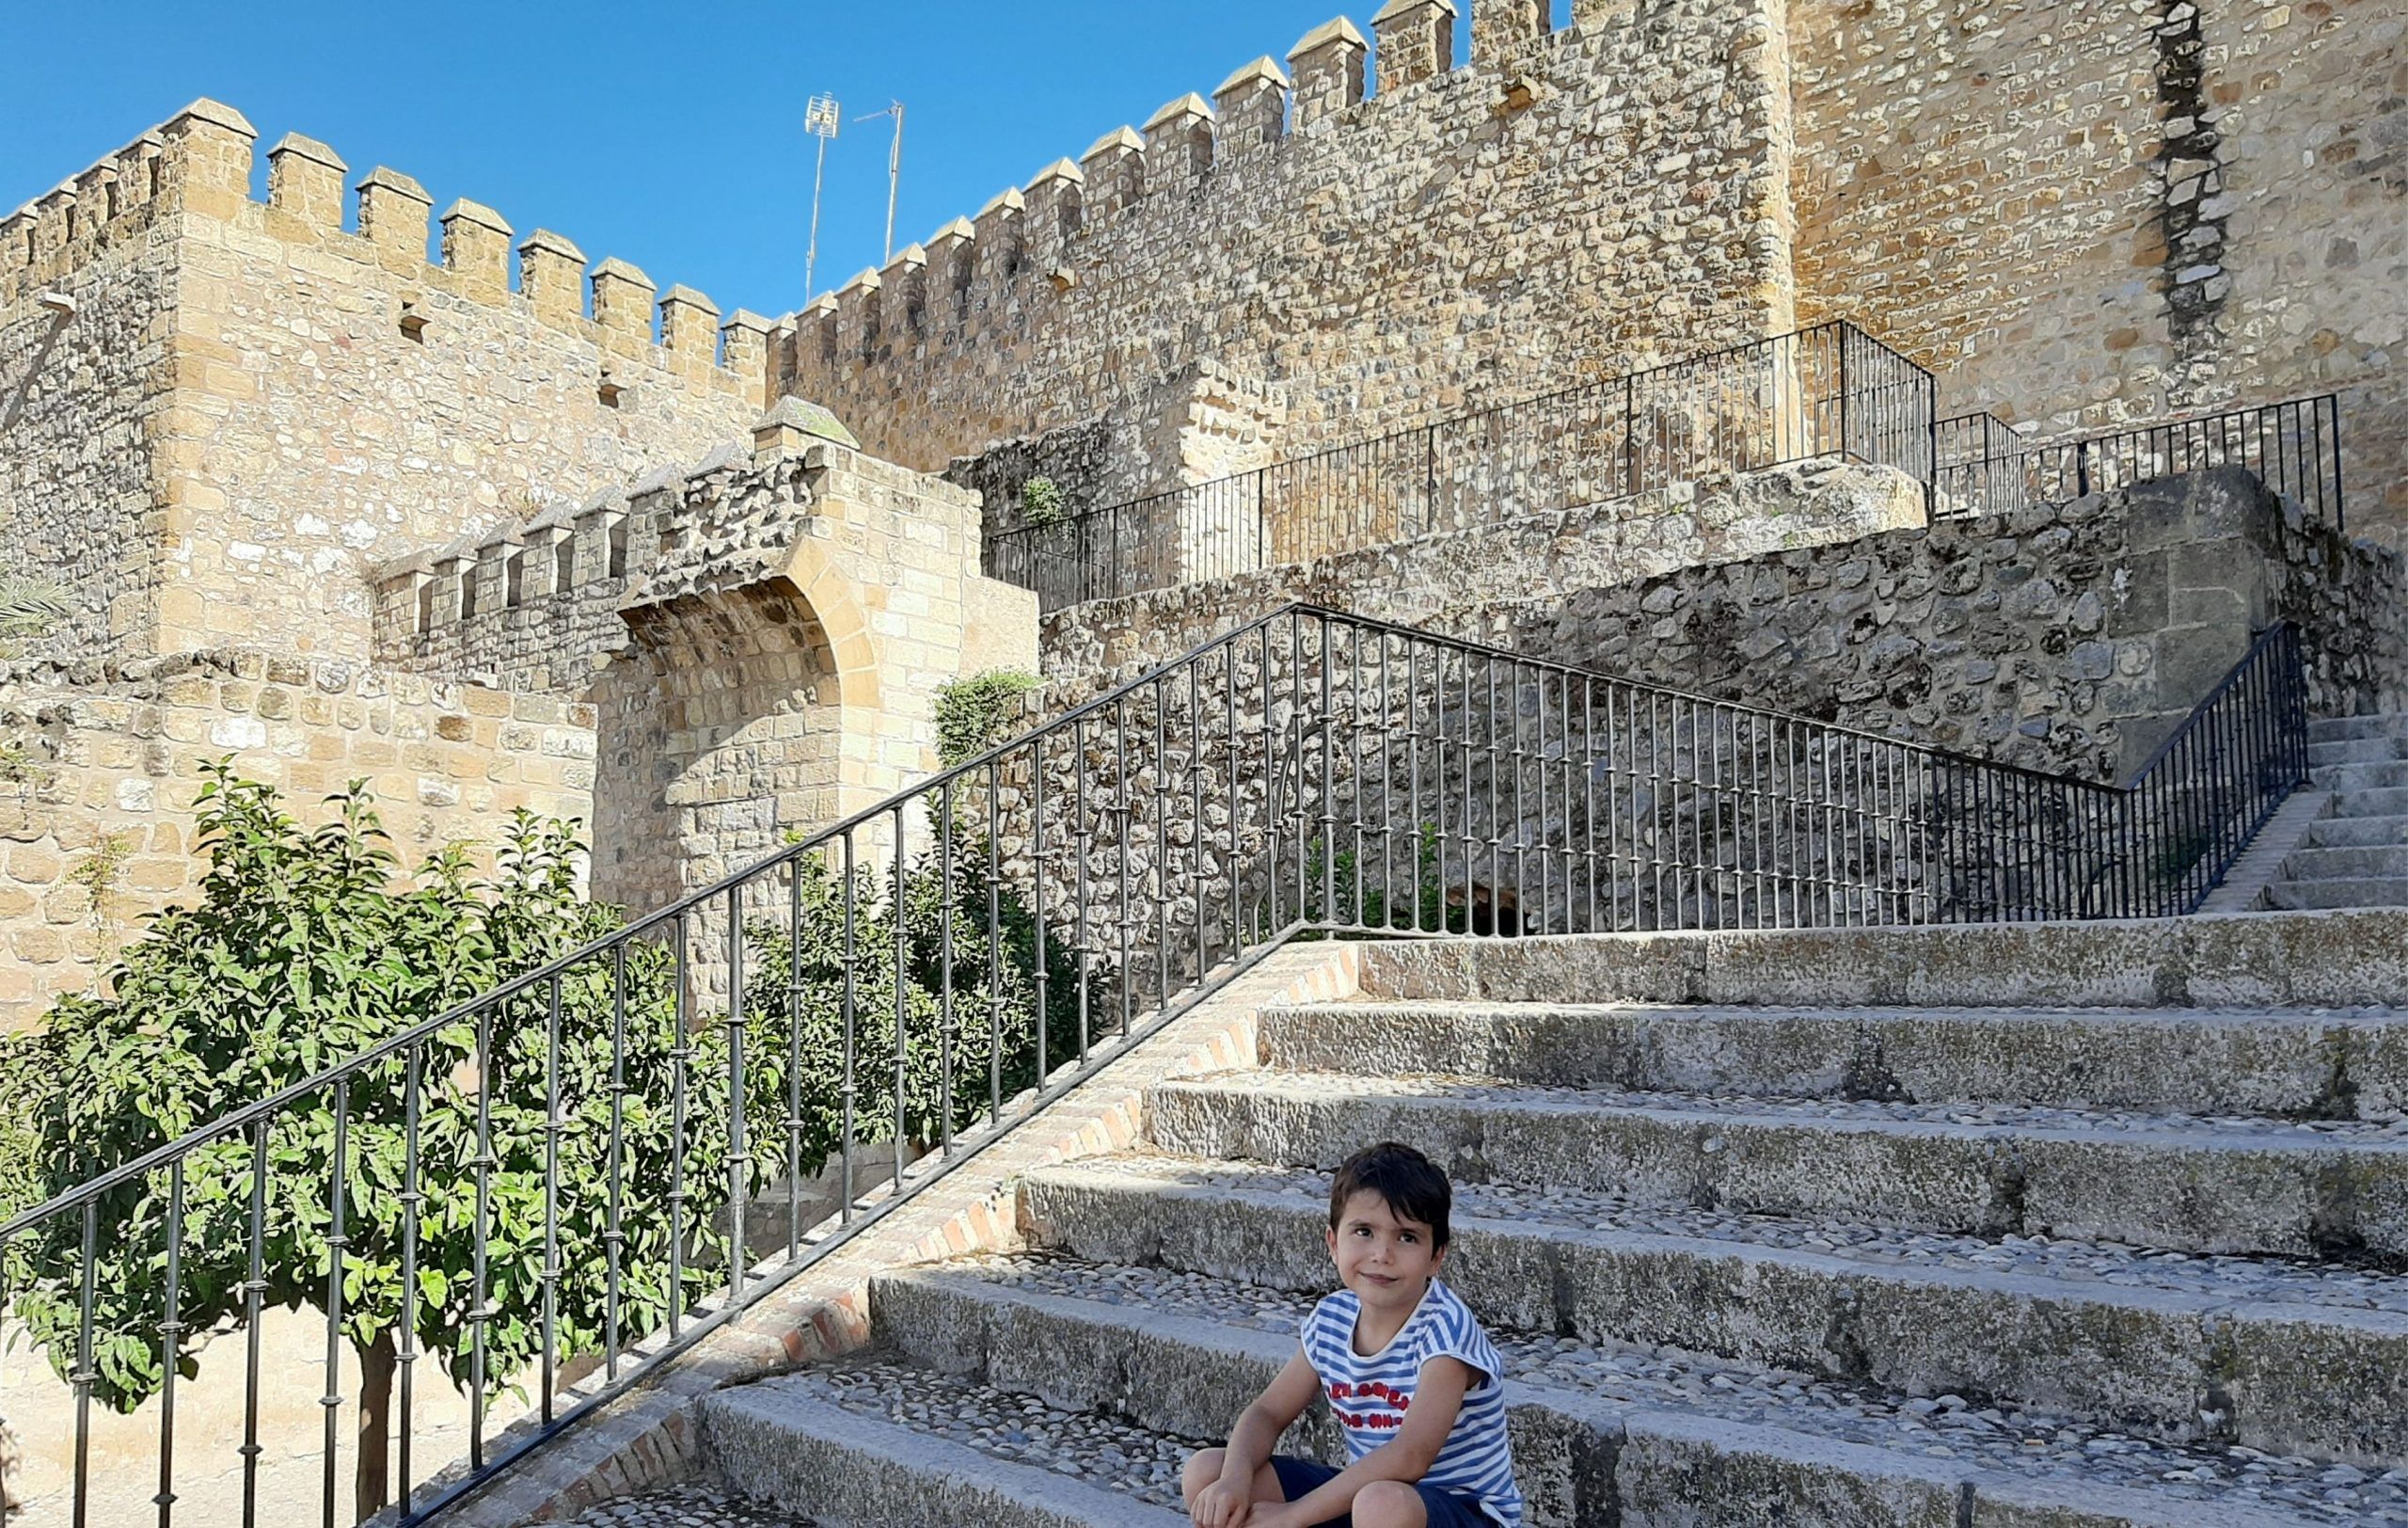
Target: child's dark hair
column 1409, row 1182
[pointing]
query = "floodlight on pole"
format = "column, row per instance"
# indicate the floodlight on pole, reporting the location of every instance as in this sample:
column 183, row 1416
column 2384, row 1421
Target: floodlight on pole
column 819, row 119
column 893, row 169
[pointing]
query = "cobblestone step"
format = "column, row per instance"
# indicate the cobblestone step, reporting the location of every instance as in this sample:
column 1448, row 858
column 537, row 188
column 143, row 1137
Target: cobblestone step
column 2373, row 748
column 2284, row 1065
column 2378, row 802
column 2386, row 862
column 2258, row 960
column 2224, row 1185
column 2253, row 1353
column 689, row 1505
column 2339, row 892
column 2342, row 728
column 2356, row 832
column 872, row 1445
column 1597, row 1422
column 2377, row 774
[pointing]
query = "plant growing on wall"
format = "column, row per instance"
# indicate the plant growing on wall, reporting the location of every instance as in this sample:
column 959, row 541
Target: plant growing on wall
column 29, row 607
column 1042, row 504
column 102, row 874
column 302, row 949
column 974, row 713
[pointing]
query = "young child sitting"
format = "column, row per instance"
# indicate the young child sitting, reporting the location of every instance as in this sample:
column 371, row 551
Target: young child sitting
column 1413, row 1380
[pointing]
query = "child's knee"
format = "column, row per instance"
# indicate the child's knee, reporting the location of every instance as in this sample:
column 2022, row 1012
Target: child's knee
column 1202, row 1470
column 1389, row 1504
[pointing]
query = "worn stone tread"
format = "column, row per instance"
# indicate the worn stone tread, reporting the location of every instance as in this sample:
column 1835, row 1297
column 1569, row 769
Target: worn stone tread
column 830, row 1437
column 1185, row 1351
column 2220, row 1185
column 2282, row 1375
column 2276, row 1064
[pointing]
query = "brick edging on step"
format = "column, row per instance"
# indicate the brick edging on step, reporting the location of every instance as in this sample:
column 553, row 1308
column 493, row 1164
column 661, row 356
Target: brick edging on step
column 649, row 1437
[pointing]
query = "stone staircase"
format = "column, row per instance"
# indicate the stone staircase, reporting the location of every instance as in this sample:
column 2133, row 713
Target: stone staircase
column 1757, row 1259
column 2356, row 854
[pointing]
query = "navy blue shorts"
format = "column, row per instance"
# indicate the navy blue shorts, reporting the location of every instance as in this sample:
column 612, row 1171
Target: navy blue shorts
column 1445, row 1509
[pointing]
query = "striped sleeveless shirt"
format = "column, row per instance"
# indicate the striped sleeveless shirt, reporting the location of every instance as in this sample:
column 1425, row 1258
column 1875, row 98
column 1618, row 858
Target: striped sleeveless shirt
column 1369, row 1394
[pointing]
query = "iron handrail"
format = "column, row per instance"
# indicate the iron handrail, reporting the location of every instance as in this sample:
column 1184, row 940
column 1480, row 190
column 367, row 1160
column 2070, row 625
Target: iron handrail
column 1261, row 787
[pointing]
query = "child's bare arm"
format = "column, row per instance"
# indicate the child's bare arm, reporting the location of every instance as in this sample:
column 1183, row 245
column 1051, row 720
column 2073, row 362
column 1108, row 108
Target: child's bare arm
column 1438, row 1396
column 1228, row 1502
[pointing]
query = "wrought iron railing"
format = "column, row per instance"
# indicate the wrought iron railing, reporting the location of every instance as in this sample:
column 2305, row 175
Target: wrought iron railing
column 1831, row 390
column 874, row 1004
column 2294, row 448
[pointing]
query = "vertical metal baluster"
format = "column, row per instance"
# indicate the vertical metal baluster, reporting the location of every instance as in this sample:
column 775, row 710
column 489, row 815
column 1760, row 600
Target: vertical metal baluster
column 84, row 1375
column 1124, row 807
column 1230, row 727
column 331, row 1402
column 1538, row 682
column 1496, row 811
column 680, row 1053
column 902, row 1005
column 254, row 1291
column 1589, row 793
column 944, row 968
column 1081, row 842
column 1413, row 775
column 552, row 1127
column 739, row 1140
column 849, row 1090
column 996, row 941
column 1296, row 750
column 1195, row 811
column 410, row 1198
column 1164, row 793
column 794, row 1125
column 478, row 1316
column 613, row 1237
column 1328, row 783
column 171, row 1330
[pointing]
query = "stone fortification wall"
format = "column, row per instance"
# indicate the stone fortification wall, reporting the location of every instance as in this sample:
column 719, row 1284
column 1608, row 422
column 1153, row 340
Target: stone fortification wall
column 2078, row 214
column 1434, row 581
column 2058, row 639
column 86, row 297
column 1569, row 203
column 112, row 768
column 315, row 399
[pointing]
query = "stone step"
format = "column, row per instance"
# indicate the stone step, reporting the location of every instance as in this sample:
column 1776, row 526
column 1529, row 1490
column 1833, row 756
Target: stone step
column 2214, row 1186
column 686, row 1504
column 1597, row 1427
column 2257, row 960
column 2286, row 1066
column 2338, row 728
column 2374, row 749
column 2339, row 892
column 2383, row 862
column 2382, row 803
column 2355, row 833
column 2384, row 774
column 878, row 1446
column 2253, row 1353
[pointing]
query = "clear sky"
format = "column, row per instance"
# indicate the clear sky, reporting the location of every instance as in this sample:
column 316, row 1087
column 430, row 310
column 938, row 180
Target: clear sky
column 668, row 134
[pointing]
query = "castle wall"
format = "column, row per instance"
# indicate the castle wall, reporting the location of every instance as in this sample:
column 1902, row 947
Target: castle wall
column 82, row 389
column 116, row 759
column 1569, row 203
column 2080, row 215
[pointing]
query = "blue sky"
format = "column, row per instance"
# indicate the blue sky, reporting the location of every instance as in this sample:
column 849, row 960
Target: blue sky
column 668, row 136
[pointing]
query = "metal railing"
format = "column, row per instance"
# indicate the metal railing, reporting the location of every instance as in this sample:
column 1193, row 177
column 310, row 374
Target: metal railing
column 884, row 998
column 1831, row 390
column 2294, row 447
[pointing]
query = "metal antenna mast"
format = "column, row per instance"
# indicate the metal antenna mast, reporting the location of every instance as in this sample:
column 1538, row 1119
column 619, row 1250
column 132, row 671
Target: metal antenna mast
column 893, row 169
column 819, row 119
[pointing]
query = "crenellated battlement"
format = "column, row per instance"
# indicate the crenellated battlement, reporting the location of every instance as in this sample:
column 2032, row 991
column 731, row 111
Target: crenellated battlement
column 1249, row 117
column 201, row 160
column 1316, row 152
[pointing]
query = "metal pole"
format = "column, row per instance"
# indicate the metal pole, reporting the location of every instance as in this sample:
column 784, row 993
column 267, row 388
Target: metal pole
column 811, row 256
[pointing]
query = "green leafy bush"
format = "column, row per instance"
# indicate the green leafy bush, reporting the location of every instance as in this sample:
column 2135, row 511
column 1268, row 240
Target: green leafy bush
column 1042, row 504
column 303, row 949
column 974, row 715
